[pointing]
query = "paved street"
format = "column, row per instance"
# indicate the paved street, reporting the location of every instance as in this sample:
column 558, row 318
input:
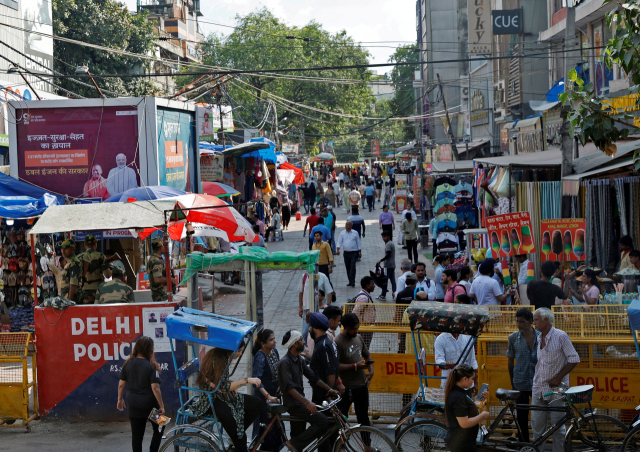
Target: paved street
column 280, row 313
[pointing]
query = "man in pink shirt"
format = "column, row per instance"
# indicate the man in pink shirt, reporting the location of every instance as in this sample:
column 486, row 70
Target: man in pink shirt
column 452, row 288
column 259, row 223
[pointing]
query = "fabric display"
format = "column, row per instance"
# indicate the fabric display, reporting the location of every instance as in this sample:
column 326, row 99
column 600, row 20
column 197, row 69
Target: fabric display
column 454, row 210
column 447, row 243
column 628, row 201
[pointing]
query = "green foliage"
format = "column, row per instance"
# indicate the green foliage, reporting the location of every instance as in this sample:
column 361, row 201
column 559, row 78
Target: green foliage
column 591, row 111
column 106, row 23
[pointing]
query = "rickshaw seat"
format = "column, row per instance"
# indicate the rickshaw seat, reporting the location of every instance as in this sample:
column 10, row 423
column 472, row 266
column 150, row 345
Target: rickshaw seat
column 276, row 408
column 507, row 394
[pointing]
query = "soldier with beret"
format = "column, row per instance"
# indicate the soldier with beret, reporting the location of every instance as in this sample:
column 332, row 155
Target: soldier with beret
column 71, row 287
column 116, row 290
column 94, row 265
column 157, row 271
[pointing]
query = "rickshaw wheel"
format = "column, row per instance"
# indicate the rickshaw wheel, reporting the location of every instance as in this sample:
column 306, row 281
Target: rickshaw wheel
column 189, row 441
column 363, row 438
column 422, row 436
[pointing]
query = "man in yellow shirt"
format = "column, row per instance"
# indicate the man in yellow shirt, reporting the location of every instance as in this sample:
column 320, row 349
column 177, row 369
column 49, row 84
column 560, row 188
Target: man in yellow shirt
column 325, row 260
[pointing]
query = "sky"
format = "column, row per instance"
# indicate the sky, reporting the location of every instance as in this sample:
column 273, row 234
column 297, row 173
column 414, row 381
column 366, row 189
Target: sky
column 366, row 21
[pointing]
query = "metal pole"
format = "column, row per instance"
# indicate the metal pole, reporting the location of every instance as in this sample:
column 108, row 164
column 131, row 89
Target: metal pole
column 29, row 85
column 450, row 136
column 167, row 259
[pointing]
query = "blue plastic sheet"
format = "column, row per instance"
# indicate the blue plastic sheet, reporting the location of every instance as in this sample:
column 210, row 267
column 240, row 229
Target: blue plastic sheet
column 14, row 187
column 633, row 311
column 17, row 207
column 147, row 193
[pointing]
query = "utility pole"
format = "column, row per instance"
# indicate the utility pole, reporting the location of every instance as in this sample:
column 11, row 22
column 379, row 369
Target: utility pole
column 569, row 64
column 452, row 140
column 219, row 100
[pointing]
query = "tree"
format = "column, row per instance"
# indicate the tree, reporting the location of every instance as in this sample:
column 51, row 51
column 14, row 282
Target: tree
column 259, row 41
column 592, row 111
column 106, row 23
column 402, row 77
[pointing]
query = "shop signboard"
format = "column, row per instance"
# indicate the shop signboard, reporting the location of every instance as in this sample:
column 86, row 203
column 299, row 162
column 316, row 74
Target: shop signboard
column 401, row 181
column 507, row 22
column 480, row 37
column 563, row 239
column 175, row 147
column 212, row 168
column 118, row 234
column 401, row 199
column 417, row 189
column 510, row 234
column 289, row 148
column 81, row 351
column 82, row 152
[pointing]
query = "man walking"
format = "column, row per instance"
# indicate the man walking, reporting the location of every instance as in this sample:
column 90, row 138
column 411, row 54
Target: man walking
column 364, row 308
column 379, row 185
column 325, row 260
column 370, row 192
column 312, row 221
column 556, row 358
column 523, row 349
column 349, row 241
column 389, row 261
column 290, row 371
column 386, row 220
column 352, row 353
column 303, row 298
column 357, row 221
column 354, row 197
column 324, row 360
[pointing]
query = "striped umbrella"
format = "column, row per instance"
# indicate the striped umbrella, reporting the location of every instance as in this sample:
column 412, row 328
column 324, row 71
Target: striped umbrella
column 219, row 190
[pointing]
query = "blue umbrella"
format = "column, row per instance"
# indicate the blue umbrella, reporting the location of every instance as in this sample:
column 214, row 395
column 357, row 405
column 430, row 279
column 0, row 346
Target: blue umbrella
column 147, row 193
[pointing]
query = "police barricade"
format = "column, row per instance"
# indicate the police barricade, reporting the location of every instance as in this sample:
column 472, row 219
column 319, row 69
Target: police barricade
column 599, row 335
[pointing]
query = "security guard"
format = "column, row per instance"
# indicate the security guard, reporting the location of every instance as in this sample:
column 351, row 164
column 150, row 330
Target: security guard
column 71, row 286
column 116, row 290
column 156, row 271
column 94, row 264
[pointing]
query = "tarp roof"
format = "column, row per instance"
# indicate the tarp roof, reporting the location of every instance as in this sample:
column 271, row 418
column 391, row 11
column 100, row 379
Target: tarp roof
column 244, row 148
column 17, row 207
column 552, row 157
column 598, row 158
column 103, row 216
column 616, row 165
column 452, row 167
column 542, row 105
column 14, row 187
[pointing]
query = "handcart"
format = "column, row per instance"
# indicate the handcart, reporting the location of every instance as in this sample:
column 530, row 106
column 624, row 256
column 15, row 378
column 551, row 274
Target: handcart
column 423, row 427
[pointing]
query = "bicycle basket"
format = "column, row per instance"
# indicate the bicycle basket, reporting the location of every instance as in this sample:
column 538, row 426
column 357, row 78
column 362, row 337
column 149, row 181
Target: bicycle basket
column 579, row 394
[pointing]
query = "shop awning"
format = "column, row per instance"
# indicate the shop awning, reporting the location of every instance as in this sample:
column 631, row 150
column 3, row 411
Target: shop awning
column 555, row 91
column 552, row 157
column 452, row 167
column 542, row 105
column 102, row 216
column 599, row 158
column 527, row 122
column 246, row 148
column 14, row 187
column 619, row 164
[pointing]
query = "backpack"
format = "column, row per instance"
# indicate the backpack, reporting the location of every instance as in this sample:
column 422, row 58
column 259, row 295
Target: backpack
column 454, row 288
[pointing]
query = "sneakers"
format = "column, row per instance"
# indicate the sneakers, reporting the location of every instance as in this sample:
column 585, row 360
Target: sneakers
column 381, row 297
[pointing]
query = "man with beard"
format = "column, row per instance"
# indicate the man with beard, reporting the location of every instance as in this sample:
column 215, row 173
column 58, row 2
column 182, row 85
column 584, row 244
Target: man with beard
column 352, row 353
column 121, row 178
column 96, row 187
column 290, row 371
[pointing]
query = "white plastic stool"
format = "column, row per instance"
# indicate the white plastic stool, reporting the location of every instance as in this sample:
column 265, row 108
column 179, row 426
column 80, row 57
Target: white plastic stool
column 275, row 235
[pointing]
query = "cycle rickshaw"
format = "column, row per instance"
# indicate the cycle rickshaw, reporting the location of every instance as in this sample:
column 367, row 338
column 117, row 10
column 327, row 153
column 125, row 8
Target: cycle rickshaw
column 632, row 441
column 206, row 434
column 423, row 426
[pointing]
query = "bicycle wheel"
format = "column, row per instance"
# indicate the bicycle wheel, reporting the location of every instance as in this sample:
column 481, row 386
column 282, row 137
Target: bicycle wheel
column 596, row 432
column 189, row 442
column 632, row 442
column 364, row 439
column 422, row 436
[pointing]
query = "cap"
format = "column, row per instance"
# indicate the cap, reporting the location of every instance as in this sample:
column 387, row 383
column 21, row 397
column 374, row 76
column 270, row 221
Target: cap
column 118, row 264
column 117, row 271
column 157, row 243
column 411, row 276
column 329, row 207
column 317, row 320
column 68, row 243
column 90, row 239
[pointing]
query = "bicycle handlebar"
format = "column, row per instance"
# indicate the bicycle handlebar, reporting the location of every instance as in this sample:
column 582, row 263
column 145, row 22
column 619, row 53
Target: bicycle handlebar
column 326, row 405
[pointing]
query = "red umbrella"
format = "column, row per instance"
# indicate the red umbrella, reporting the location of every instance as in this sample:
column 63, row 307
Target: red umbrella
column 218, row 189
column 299, row 179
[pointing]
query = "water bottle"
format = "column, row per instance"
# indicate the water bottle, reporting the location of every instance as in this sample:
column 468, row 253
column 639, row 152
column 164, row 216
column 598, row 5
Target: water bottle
column 607, row 298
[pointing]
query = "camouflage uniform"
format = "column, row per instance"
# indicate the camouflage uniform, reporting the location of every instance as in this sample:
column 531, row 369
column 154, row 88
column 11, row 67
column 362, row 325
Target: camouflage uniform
column 156, row 269
column 114, row 291
column 72, row 276
column 95, row 272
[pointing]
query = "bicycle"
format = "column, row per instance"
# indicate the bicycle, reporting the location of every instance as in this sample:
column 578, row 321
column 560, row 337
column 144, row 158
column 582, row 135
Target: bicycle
column 631, row 442
column 587, row 431
column 350, row 438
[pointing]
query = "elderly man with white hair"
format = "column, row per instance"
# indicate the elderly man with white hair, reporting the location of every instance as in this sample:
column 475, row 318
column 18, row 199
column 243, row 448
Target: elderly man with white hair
column 121, row 178
column 290, row 371
column 556, row 358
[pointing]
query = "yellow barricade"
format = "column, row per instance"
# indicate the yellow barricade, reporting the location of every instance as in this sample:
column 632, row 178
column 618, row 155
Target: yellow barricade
column 17, row 380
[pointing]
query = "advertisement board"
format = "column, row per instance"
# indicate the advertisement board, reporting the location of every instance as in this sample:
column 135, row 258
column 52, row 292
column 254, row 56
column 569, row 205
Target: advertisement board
column 563, row 239
column 212, row 168
column 510, row 234
column 175, row 147
column 208, row 119
column 81, row 351
column 480, row 37
column 375, row 147
column 83, row 152
column 289, row 148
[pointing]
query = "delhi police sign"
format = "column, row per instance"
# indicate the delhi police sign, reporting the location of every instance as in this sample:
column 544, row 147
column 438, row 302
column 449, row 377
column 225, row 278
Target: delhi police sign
column 507, row 22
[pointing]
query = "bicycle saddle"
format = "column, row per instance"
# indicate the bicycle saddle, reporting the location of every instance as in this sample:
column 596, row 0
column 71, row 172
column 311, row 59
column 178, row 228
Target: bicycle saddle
column 276, row 408
column 507, row 394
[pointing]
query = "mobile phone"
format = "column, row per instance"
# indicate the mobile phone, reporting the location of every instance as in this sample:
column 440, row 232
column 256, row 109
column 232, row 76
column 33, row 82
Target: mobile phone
column 368, row 363
column 483, row 388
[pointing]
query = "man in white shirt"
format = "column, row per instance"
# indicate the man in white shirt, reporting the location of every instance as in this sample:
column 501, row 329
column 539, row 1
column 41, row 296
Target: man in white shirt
column 336, row 188
column 303, row 298
column 349, row 241
column 409, row 209
column 449, row 348
column 341, row 177
column 275, row 224
column 121, row 178
column 522, row 277
column 485, row 289
column 405, row 267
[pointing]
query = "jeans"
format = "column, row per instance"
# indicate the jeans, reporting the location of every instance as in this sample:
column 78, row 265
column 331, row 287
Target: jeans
column 522, row 415
column 325, row 269
column 301, row 436
column 332, row 242
column 539, row 423
column 360, row 399
column 412, row 247
column 311, row 240
column 308, row 204
column 370, row 202
column 391, row 277
column 362, row 199
column 350, row 259
column 138, row 426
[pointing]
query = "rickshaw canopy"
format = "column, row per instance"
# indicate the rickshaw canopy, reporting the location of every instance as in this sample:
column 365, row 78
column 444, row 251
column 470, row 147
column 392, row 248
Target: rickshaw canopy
column 220, row 331
column 447, row 317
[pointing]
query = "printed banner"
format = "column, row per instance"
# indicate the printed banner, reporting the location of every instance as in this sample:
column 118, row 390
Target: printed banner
column 212, row 168
column 82, row 152
column 480, row 37
column 289, row 148
column 510, row 234
column 175, row 147
column 375, row 147
column 562, row 239
column 208, row 119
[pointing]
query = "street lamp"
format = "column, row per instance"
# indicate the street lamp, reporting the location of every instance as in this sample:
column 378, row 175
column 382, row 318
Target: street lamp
column 16, row 70
column 84, row 69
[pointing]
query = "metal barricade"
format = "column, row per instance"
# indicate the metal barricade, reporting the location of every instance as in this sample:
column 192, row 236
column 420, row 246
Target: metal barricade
column 17, row 380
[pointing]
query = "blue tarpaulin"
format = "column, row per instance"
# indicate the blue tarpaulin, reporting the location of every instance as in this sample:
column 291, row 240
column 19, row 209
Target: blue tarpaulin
column 17, row 207
column 268, row 154
column 13, row 187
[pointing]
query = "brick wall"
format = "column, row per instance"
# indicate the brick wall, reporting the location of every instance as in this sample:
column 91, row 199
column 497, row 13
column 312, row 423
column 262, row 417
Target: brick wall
column 558, row 16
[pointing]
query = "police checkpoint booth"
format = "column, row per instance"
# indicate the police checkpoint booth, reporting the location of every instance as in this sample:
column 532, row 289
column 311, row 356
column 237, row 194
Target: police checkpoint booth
column 82, row 348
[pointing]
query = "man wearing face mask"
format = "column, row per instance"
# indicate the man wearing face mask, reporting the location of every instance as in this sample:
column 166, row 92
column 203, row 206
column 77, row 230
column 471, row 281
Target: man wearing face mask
column 290, row 371
column 121, row 178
